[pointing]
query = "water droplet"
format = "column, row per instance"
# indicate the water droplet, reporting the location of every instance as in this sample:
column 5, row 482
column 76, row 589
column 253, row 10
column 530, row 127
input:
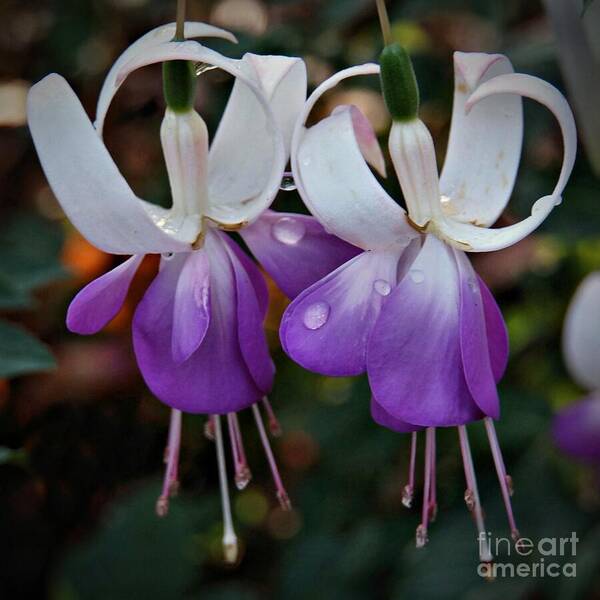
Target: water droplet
column 288, row 230
column 472, row 283
column 306, row 160
column 316, row 315
column 167, row 255
column 287, row 182
column 417, row 275
column 202, row 67
column 382, row 287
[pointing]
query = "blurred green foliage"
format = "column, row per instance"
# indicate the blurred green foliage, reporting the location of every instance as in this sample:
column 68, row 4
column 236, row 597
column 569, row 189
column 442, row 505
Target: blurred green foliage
column 82, row 448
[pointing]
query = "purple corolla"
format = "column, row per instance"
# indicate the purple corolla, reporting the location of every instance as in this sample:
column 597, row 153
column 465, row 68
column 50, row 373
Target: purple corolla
column 410, row 310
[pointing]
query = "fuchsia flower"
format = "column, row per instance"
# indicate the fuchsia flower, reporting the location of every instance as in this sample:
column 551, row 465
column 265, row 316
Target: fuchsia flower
column 198, row 331
column 410, row 310
column 576, row 428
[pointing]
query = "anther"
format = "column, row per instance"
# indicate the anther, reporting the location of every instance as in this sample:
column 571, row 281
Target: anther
column 274, row 425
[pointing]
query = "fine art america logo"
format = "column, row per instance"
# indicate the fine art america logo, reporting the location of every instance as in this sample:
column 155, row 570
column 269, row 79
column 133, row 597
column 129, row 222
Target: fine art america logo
column 547, row 557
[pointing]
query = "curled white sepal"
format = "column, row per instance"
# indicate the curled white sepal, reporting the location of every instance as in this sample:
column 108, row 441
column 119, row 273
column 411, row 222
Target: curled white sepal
column 480, row 239
column 85, row 179
column 160, row 35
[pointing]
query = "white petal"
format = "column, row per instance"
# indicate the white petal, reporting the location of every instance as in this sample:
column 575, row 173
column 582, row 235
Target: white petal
column 283, row 81
column 479, row 239
column 366, row 138
column 241, row 168
column 336, row 183
column 161, row 34
column 581, row 333
column 413, row 154
column 484, row 147
column 235, row 197
column 85, row 179
column 184, row 139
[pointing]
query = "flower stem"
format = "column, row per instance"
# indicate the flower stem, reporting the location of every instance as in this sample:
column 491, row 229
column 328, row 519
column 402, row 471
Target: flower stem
column 384, row 21
column 180, row 20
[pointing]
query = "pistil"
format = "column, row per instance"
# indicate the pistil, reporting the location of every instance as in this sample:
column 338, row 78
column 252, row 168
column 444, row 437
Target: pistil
column 230, row 545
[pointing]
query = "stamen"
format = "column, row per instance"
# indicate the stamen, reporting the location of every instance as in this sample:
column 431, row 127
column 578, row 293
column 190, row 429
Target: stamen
column 433, row 487
column 505, row 480
column 230, row 547
column 242, row 471
column 409, row 489
column 274, row 425
column 171, row 458
column 209, row 429
column 282, row 496
column 472, row 495
column 421, row 535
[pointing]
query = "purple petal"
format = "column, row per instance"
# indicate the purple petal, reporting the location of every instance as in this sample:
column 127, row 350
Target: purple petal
column 252, row 339
column 413, row 358
column 382, row 417
column 215, row 378
column 576, row 429
column 191, row 309
column 100, row 301
column 474, row 345
column 256, row 277
column 326, row 328
column 295, row 249
column 496, row 332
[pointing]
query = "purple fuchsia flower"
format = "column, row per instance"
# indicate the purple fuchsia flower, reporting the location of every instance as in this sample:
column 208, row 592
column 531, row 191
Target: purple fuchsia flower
column 410, row 310
column 576, row 428
column 198, row 331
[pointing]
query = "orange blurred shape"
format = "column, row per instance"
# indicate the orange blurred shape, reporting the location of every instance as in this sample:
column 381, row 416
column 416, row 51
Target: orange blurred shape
column 277, row 304
column 83, row 259
column 3, row 393
column 369, row 102
column 298, row 450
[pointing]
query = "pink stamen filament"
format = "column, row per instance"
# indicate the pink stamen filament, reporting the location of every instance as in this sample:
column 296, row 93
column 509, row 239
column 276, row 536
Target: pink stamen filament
column 282, row 495
column 409, row 489
column 274, row 425
column 421, row 534
column 230, row 547
column 472, row 494
column 242, row 471
column 433, row 487
column 504, row 479
column 170, row 482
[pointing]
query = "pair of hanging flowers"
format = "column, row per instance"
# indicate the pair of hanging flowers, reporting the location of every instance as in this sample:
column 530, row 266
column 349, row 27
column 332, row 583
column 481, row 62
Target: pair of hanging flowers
column 374, row 288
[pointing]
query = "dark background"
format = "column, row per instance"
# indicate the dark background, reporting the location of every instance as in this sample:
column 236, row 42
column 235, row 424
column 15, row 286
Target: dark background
column 82, row 438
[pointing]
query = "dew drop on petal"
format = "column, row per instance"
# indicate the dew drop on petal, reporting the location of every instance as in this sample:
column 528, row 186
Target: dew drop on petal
column 472, row 283
column 382, row 287
column 167, row 255
column 287, row 183
column 417, row 275
column 306, row 160
column 288, row 230
column 316, row 315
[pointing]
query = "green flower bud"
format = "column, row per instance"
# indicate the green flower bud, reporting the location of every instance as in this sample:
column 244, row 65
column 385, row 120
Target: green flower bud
column 398, row 83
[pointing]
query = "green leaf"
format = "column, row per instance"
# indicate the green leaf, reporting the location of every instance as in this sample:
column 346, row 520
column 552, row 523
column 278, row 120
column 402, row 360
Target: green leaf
column 21, row 353
column 31, row 249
